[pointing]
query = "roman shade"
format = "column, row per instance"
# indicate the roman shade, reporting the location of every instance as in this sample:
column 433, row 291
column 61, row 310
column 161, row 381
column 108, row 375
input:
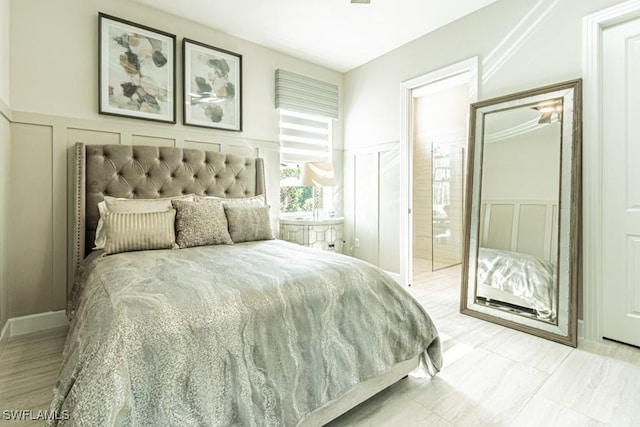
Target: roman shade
column 302, row 94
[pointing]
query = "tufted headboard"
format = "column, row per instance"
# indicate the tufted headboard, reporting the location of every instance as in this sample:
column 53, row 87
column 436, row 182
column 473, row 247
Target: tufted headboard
column 143, row 172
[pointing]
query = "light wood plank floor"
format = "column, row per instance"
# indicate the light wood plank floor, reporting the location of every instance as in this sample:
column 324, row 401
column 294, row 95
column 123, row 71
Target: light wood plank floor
column 492, row 376
column 28, row 370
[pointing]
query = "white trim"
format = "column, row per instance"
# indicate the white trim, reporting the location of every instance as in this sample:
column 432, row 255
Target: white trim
column 34, row 323
column 5, row 111
column 111, row 124
column 406, row 150
column 593, row 229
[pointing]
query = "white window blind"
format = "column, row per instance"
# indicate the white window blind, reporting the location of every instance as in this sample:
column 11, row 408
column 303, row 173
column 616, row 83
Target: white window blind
column 302, row 94
column 304, row 138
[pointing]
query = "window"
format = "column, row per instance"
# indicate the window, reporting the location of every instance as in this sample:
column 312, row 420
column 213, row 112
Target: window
column 303, row 138
column 307, row 107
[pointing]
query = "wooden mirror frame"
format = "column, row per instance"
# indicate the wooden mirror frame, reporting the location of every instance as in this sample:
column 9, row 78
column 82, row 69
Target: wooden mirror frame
column 564, row 329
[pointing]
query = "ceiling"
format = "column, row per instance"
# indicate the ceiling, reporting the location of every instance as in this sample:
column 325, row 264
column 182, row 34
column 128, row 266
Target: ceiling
column 333, row 33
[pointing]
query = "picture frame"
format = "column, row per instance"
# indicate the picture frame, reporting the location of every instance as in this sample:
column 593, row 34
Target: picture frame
column 137, row 71
column 212, row 86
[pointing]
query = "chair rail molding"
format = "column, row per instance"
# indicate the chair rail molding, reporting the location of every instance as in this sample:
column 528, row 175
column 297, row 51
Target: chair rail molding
column 5, row 111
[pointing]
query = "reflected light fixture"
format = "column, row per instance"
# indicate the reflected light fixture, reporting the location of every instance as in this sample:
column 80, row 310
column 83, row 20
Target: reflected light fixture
column 550, row 111
column 360, row 1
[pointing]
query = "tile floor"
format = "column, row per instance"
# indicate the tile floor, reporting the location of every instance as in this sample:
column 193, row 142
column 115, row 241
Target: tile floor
column 494, row 376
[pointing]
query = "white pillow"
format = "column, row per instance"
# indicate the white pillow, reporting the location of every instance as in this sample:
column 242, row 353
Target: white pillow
column 122, row 205
column 101, row 236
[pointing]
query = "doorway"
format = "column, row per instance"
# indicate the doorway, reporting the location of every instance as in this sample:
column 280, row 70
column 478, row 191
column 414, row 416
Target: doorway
column 439, row 141
column 434, row 140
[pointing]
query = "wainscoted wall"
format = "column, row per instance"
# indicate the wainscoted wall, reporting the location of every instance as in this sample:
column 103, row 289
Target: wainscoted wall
column 40, row 194
column 5, row 143
column 372, row 204
column 5, row 134
column 54, row 98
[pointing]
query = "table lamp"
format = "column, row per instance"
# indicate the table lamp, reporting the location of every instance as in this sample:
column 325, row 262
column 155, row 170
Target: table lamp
column 317, row 175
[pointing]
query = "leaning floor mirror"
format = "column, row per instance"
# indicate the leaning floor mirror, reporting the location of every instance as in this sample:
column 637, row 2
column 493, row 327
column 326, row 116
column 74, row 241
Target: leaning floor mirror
column 520, row 266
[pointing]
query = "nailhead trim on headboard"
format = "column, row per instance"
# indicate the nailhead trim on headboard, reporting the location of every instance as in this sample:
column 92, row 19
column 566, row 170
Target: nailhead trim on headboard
column 152, row 172
column 79, row 184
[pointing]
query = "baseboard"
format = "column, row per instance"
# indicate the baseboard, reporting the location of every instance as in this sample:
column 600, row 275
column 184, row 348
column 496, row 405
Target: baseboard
column 35, row 322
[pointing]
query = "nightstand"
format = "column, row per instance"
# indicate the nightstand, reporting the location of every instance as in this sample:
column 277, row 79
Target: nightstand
column 323, row 233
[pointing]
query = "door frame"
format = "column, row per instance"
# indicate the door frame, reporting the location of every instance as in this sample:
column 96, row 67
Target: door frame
column 593, row 230
column 470, row 66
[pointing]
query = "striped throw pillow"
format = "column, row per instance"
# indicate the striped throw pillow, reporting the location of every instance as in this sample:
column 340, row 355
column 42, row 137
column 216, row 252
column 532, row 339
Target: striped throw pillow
column 139, row 231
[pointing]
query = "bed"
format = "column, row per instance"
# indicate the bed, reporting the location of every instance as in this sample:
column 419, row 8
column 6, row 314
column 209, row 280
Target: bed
column 517, row 256
column 260, row 332
column 519, row 280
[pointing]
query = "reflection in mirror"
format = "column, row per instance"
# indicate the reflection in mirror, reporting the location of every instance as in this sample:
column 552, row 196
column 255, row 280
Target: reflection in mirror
column 447, row 193
column 522, row 212
column 517, row 256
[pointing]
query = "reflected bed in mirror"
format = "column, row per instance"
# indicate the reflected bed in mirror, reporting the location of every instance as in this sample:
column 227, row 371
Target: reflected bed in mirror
column 522, row 211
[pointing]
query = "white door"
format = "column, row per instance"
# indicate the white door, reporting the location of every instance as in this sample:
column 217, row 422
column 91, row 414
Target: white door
column 621, row 182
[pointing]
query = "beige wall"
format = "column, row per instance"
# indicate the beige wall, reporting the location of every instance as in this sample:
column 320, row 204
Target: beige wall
column 4, row 222
column 54, row 104
column 58, row 74
column 5, row 11
column 520, row 44
column 4, row 156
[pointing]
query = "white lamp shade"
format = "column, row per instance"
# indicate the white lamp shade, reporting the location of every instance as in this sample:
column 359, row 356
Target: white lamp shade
column 317, row 174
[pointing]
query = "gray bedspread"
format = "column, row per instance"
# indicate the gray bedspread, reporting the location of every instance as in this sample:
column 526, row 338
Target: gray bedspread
column 259, row 333
column 526, row 276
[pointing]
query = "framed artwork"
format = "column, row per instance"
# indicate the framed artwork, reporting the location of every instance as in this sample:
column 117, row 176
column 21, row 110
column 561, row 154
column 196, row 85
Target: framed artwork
column 212, row 87
column 137, row 71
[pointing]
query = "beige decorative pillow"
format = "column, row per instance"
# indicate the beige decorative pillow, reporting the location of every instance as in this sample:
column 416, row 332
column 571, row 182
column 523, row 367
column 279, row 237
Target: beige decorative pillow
column 248, row 223
column 122, row 205
column 139, row 231
column 259, row 200
column 201, row 224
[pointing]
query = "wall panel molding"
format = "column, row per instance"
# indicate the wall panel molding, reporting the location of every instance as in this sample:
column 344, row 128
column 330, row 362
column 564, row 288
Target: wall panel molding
column 45, row 141
column 5, row 110
column 128, row 128
column 371, row 177
column 5, row 146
